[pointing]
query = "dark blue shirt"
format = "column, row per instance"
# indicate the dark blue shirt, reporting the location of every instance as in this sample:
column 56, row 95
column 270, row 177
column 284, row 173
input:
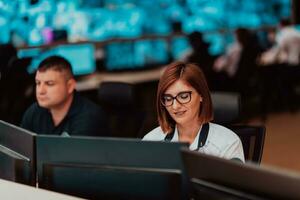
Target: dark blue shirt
column 84, row 118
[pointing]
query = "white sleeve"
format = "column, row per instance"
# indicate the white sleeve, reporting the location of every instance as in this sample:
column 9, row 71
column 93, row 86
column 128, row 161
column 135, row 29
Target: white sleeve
column 155, row 135
column 235, row 151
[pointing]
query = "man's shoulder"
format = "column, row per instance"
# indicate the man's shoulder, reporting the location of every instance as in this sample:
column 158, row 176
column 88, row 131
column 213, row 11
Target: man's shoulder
column 87, row 103
column 86, row 109
column 35, row 108
column 87, row 118
column 33, row 116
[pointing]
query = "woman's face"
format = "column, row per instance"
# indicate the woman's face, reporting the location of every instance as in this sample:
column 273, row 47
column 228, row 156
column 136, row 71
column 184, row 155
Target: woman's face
column 184, row 109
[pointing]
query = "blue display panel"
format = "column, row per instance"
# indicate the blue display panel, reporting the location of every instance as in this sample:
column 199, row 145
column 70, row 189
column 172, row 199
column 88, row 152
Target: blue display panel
column 29, row 53
column 28, row 22
column 179, row 46
column 136, row 54
column 34, row 23
column 81, row 57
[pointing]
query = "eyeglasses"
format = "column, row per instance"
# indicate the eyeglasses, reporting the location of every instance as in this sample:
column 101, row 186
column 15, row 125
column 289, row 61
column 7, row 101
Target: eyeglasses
column 181, row 97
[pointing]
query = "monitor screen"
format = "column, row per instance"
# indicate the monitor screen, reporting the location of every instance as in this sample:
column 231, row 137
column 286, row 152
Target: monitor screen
column 81, row 57
column 17, row 154
column 111, row 182
column 180, row 46
column 134, row 55
column 14, row 166
column 112, row 163
column 28, row 53
column 243, row 181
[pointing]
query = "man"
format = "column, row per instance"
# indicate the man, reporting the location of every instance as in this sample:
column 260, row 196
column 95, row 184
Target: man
column 59, row 109
column 287, row 46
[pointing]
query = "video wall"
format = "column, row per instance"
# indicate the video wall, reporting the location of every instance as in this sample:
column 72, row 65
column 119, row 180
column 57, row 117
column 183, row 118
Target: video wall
column 39, row 22
column 33, row 22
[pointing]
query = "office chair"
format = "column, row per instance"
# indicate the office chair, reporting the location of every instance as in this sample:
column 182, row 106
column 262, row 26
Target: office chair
column 253, row 138
column 17, row 90
column 226, row 107
column 120, row 101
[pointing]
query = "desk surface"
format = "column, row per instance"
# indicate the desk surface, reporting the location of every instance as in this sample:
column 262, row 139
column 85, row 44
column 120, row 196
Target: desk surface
column 16, row 191
column 93, row 81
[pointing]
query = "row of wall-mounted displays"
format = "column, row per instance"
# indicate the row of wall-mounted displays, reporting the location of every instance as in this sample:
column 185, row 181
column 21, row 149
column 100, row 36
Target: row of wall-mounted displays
column 122, row 55
column 38, row 22
column 114, row 56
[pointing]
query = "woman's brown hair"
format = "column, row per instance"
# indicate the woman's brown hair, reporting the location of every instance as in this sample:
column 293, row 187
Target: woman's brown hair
column 191, row 74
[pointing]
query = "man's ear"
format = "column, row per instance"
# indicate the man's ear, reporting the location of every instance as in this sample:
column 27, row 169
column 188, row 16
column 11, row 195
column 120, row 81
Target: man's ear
column 71, row 85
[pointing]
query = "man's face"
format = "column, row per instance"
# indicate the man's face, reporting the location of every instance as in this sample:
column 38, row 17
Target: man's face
column 53, row 88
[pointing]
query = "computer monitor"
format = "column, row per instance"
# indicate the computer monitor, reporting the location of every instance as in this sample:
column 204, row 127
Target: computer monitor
column 218, row 178
column 13, row 166
column 29, row 52
column 81, row 57
column 17, row 154
column 110, row 168
column 135, row 55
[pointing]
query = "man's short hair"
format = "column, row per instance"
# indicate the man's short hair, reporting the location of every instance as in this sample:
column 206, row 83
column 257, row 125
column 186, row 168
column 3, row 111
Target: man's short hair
column 56, row 63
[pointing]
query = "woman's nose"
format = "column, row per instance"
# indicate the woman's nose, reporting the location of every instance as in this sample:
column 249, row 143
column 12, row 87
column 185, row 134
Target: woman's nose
column 175, row 104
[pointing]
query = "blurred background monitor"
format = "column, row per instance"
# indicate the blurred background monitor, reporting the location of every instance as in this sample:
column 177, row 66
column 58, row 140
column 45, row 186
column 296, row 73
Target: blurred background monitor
column 17, row 154
column 110, row 167
column 137, row 54
column 81, row 57
column 216, row 178
column 179, row 47
column 29, row 53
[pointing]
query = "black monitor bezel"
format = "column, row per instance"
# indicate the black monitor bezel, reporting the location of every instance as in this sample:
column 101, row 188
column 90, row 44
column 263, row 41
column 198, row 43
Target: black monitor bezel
column 254, row 180
column 18, row 150
column 103, row 151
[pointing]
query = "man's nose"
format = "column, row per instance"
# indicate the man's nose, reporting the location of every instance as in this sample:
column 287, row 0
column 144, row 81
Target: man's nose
column 41, row 89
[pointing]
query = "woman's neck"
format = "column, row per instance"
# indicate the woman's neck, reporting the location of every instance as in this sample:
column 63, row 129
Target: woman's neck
column 188, row 132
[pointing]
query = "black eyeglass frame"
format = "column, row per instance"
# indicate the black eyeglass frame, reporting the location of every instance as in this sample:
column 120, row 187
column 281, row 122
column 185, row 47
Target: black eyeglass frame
column 173, row 98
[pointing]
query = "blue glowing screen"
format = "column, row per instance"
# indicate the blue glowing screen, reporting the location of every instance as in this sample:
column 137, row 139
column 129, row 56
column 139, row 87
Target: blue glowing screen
column 34, row 23
column 138, row 54
column 81, row 57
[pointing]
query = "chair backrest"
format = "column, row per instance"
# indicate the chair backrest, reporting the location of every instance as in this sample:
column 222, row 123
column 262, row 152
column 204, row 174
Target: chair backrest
column 15, row 97
column 226, row 106
column 119, row 100
column 253, row 138
column 116, row 94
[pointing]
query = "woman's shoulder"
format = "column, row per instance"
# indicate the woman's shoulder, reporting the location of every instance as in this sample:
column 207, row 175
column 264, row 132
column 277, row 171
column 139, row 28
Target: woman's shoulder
column 226, row 141
column 155, row 135
column 222, row 134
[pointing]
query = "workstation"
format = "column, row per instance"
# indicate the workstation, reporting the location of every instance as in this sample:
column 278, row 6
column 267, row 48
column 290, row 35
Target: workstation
column 122, row 57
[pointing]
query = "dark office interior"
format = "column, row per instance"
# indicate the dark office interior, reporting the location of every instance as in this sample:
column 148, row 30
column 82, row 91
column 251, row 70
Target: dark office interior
column 118, row 50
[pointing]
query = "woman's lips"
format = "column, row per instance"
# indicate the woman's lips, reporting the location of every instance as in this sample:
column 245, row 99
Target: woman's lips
column 179, row 113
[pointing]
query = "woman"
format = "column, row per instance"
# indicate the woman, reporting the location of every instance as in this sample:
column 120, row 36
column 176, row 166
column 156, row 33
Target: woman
column 184, row 113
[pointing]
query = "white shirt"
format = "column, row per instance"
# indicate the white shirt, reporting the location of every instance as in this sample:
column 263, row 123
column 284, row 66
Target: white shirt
column 229, row 61
column 288, row 40
column 287, row 49
column 220, row 142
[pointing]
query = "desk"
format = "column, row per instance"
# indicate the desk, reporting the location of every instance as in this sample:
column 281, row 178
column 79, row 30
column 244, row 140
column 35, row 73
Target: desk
column 93, row 81
column 12, row 190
